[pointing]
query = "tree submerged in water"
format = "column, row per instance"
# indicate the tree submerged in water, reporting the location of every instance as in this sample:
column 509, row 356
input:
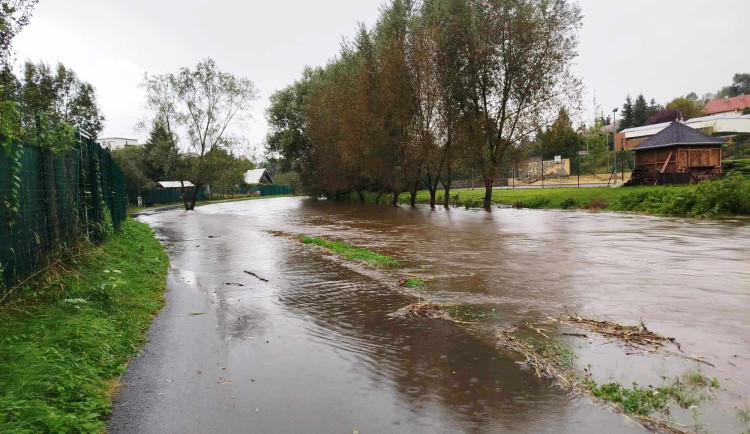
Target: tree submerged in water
column 201, row 106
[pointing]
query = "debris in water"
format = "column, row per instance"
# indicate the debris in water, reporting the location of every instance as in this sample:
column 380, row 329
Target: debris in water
column 635, row 336
column 196, row 313
column 424, row 309
column 542, row 365
column 233, row 284
column 256, row 276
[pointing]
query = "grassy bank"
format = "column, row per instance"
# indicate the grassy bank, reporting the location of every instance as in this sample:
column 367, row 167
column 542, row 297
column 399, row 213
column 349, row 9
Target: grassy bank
column 64, row 342
column 729, row 196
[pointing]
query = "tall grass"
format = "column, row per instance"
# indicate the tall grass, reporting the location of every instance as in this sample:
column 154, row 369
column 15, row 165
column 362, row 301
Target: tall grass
column 62, row 346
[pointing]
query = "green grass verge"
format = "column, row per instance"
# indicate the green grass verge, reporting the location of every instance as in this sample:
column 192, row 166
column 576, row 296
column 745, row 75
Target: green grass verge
column 352, row 253
column 728, row 196
column 64, row 344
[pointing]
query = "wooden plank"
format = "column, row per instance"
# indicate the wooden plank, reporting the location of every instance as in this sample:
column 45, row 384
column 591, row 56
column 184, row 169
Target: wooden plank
column 664, row 167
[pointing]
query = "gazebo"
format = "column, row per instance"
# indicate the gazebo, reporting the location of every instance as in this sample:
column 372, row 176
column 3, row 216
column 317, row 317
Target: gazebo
column 678, row 154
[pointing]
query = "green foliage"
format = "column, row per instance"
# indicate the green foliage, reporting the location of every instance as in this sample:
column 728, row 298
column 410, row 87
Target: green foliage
column 559, row 139
column 688, row 107
column 14, row 16
column 133, row 164
column 727, row 196
column 59, row 95
column 685, row 391
column 59, row 352
column 414, row 282
column 740, row 86
column 291, row 179
column 352, row 253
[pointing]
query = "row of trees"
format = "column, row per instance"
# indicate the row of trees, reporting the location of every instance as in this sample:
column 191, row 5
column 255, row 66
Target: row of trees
column 434, row 85
column 57, row 92
column 41, row 106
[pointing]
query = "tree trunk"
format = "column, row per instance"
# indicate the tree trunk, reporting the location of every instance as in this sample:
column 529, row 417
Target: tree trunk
column 433, row 193
column 194, row 198
column 361, row 196
column 488, row 193
column 184, row 198
column 413, row 193
column 447, row 197
column 395, row 197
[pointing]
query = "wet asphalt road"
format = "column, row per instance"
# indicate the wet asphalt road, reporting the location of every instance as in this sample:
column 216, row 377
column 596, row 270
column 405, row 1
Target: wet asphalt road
column 314, row 349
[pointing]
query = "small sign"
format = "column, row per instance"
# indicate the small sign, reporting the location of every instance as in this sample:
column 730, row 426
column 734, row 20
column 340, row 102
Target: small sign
column 583, row 152
column 558, row 159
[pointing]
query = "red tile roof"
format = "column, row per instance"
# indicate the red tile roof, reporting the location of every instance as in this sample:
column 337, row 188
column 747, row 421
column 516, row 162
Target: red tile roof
column 728, row 104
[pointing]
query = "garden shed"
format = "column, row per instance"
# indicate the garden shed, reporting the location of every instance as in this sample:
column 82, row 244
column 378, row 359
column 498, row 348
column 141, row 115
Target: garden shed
column 678, row 154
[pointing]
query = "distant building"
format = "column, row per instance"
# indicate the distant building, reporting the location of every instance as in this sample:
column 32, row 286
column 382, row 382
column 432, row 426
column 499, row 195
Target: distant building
column 727, row 124
column 113, row 143
column 258, row 176
column 733, row 105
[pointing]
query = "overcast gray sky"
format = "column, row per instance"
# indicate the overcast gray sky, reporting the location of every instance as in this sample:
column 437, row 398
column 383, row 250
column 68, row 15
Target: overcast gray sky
column 661, row 48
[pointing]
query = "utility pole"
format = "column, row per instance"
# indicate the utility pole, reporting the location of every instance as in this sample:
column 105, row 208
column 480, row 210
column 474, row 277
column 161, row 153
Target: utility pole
column 614, row 142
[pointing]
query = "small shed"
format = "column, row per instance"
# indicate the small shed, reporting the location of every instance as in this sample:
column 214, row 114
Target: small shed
column 678, row 154
column 258, row 176
column 167, row 185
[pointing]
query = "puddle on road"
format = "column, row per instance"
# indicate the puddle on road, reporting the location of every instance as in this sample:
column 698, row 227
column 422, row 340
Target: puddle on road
column 686, row 279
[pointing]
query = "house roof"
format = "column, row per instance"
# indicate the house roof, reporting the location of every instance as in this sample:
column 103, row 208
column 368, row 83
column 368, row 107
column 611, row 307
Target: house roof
column 677, row 133
column 722, row 105
column 174, row 184
column 255, row 176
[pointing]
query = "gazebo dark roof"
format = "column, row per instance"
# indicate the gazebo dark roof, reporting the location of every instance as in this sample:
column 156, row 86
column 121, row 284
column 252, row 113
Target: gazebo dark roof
column 677, row 133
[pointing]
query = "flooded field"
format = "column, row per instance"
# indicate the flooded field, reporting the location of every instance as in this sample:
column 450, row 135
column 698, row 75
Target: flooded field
column 263, row 334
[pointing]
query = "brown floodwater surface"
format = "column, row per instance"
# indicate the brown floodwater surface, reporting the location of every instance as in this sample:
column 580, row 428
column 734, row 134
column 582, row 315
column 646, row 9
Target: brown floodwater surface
column 316, row 349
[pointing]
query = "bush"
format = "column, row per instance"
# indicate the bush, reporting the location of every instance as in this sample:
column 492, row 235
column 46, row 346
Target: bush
column 730, row 195
column 727, row 196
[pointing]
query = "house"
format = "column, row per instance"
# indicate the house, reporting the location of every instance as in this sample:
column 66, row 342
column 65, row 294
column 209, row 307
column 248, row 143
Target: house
column 258, row 176
column 733, row 105
column 678, row 154
column 166, row 185
column 113, row 143
column 727, row 124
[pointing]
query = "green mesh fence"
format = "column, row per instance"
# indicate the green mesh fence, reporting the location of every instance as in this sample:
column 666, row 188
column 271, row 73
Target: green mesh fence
column 61, row 200
column 270, row 190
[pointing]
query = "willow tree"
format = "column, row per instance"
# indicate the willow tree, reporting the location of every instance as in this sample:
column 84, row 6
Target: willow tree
column 201, row 106
column 519, row 54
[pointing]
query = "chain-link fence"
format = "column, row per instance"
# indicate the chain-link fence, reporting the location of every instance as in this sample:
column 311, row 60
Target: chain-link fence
column 49, row 202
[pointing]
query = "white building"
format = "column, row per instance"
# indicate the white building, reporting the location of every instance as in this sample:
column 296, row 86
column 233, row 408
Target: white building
column 113, row 143
column 725, row 124
column 258, row 176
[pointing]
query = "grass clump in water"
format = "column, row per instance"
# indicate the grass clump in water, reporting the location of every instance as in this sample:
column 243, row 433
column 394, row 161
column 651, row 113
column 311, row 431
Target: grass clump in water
column 685, row 391
column 62, row 352
column 412, row 282
column 352, row 253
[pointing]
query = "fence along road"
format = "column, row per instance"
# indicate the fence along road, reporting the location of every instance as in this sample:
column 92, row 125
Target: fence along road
column 49, row 202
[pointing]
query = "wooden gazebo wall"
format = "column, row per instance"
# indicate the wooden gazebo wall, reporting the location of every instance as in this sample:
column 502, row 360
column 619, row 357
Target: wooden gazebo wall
column 680, row 159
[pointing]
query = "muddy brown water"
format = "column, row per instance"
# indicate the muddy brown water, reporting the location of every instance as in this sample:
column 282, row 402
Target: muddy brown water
column 315, row 348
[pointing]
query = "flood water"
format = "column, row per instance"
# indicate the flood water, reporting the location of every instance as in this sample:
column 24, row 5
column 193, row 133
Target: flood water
column 316, row 349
